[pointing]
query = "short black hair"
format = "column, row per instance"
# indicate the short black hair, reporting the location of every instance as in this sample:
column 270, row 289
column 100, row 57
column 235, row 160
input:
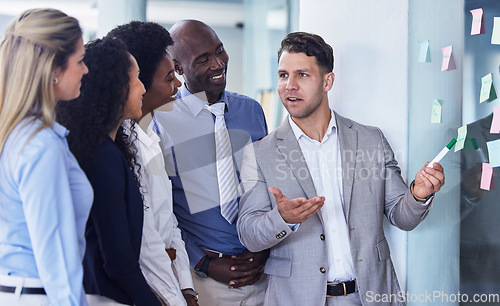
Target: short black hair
column 311, row 45
column 147, row 42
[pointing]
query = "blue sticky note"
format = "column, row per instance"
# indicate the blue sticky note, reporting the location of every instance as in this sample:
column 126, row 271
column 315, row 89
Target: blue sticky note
column 424, row 56
column 494, row 153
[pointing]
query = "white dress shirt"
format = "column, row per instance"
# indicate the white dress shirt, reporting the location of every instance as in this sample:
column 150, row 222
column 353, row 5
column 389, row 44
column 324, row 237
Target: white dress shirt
column 160, row 229
column 325, row 165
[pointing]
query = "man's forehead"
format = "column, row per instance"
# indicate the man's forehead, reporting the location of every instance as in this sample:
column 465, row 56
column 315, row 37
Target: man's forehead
column 297, row 61
column 197, row 44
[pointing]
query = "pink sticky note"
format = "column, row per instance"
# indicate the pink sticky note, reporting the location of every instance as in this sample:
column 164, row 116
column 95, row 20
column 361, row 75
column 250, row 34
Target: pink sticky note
column 486, row 176
column 477, row 22
column 448, row 62
column 495, row 124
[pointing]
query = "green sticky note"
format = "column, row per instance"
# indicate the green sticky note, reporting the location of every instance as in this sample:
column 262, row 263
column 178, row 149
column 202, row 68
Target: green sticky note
column 487, row 89
column 436, row 112
column 462, row 134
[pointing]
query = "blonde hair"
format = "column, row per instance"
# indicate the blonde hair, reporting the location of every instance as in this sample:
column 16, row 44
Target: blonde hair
column 33, row 45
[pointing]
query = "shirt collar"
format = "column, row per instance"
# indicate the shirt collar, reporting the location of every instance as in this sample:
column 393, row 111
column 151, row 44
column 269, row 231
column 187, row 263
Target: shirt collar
column 148, row 138
column 196, row 103
column 297, row 131
column 60, row 130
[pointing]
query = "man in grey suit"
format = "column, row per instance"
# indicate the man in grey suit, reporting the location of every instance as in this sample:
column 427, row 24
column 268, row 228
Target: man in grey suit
column 331, row 181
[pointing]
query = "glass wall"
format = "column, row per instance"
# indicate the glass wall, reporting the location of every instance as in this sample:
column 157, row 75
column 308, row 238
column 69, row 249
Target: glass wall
column 433, row 246
column 454, row 254
column 479, row 209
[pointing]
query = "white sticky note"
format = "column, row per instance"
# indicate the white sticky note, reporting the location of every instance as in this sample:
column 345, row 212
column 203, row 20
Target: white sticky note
column 495, row 34
column 436, row 112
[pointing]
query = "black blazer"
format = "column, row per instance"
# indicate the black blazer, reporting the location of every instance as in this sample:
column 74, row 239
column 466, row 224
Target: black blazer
column 114, row 231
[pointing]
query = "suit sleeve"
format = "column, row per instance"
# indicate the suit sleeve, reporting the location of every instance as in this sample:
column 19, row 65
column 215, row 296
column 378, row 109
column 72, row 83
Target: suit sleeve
column 260, row 226
column 401, row 208
column 109, row 216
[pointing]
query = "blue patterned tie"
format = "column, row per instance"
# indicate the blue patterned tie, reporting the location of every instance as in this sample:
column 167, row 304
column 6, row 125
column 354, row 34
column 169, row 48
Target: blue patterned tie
column 226, row 173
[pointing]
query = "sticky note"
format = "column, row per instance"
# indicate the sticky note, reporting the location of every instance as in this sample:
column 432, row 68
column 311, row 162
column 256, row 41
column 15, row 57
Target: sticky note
column 462, row 134
column 486, row 176
column 494, row 152
column 477, row 22
column 448, row 61
column 487, row 89
column 436, row 112
column 495, row 124
column 424, row 56
column 495, row 34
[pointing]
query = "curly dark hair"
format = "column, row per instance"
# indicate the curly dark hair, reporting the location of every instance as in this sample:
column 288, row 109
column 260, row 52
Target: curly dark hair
column 311, row 45
column 147, row 42
column 99, row 108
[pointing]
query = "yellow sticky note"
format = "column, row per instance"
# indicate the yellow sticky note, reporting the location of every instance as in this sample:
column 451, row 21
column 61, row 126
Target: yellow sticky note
column 462, row 134
column 436, row 112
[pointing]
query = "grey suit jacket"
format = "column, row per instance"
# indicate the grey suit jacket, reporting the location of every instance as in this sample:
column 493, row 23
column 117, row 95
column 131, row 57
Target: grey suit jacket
column 372, row 187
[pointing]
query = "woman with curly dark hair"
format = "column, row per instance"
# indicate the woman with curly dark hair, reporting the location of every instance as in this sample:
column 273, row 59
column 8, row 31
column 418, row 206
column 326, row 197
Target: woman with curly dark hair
column 110, row 94
column 167, row 273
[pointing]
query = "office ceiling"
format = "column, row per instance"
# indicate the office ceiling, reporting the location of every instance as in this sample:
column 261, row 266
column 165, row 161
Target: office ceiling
column 214, row 12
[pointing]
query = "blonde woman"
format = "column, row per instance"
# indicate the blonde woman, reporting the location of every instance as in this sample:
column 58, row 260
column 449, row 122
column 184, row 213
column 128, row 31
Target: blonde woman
column 45, row 197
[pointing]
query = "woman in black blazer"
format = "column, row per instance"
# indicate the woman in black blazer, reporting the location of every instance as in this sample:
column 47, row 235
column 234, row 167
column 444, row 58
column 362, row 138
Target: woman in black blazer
column 110, row 94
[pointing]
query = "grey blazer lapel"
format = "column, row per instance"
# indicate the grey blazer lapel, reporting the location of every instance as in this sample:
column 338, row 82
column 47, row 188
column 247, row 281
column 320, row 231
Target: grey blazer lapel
column 348, row 139
column 289, row 147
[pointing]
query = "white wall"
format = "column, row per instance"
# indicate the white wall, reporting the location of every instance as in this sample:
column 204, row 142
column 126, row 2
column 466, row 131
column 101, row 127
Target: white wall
column 370, row 41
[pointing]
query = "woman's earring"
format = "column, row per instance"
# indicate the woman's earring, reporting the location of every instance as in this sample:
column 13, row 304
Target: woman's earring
column 56, row 80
